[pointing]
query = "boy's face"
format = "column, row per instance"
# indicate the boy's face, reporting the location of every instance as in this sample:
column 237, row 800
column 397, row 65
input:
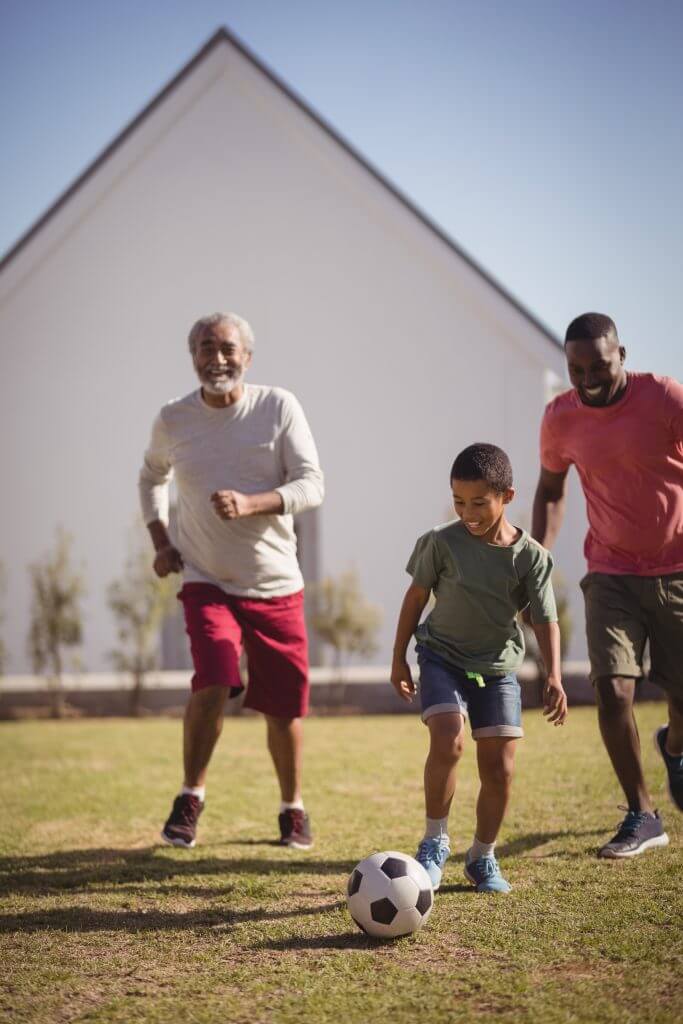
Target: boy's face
column 479, row 507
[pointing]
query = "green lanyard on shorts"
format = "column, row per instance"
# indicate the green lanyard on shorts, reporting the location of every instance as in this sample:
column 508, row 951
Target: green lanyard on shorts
column 477, row 677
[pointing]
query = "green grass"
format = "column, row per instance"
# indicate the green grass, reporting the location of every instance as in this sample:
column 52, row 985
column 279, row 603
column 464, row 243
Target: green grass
column 98, row 923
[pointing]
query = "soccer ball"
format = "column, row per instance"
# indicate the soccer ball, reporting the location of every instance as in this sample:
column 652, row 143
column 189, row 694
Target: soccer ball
column 389, row 894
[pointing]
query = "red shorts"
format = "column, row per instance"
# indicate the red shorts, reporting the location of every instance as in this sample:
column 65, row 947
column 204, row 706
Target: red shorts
column 273, row 631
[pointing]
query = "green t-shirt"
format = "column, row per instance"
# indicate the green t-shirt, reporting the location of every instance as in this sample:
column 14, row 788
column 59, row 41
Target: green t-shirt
column 478, row 589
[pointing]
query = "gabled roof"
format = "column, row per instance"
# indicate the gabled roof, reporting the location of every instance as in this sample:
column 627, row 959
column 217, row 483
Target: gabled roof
column 222, row 36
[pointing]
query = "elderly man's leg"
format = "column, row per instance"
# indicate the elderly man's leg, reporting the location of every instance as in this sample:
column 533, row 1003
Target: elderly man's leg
column 642, row 828
column 285, row 743
column 203, row 724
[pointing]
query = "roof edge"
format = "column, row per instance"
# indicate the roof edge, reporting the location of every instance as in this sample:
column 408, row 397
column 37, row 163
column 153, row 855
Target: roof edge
column 221, row 35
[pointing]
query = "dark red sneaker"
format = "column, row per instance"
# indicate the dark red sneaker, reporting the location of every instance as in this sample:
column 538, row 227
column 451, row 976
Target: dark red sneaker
column 181, row 827
column 295, row 829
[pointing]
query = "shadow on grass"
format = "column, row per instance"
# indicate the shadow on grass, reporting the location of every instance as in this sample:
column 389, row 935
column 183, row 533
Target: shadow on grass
column 85, row 919
column 78, row 869
column 523, row 844
column 348, row 940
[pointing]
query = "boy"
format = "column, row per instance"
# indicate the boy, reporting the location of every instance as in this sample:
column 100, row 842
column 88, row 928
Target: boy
column 482, row 571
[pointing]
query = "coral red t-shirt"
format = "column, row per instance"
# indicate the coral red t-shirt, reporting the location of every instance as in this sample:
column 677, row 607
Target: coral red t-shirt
column 629, row 457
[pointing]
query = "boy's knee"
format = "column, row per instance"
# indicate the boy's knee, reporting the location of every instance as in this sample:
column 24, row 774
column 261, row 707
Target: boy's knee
column 497, row 774
column 447, row 737
column 614, row 693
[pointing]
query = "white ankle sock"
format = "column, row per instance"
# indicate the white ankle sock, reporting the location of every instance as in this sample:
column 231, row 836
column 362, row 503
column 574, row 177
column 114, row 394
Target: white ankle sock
column 478, row 850
column 199, row 791
column 436, row 828
column 294, row 805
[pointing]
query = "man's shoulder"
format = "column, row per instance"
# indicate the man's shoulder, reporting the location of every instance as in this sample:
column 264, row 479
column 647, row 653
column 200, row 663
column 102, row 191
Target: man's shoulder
column 561, row 405
column 176, row 407
column 653, row 384
column 266, row 396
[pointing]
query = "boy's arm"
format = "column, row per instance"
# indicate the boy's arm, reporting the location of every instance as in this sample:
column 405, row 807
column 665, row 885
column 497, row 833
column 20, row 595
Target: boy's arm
column 413, row 605
column 554, row 697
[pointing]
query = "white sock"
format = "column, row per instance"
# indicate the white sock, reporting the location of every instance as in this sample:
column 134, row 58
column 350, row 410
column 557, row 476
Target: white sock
column 436, row 828
column 478, row 849
column 293, row 805
column 199, row 791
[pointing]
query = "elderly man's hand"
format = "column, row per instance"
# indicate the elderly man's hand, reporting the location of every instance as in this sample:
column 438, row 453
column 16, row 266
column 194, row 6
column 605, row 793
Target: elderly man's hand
column 232, row 504
column 168, row 559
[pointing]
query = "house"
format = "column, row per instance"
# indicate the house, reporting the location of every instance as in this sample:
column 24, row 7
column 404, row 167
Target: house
column 229, row 192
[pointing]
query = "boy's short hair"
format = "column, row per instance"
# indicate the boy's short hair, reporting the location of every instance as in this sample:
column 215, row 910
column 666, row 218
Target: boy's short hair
column 484, row 462
column 590, row 327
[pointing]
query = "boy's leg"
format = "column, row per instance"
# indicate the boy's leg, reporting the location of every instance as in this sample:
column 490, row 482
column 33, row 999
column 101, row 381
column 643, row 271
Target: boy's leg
column 496, row 715
column 446, row 737
column 446, row 740
column 495, row 759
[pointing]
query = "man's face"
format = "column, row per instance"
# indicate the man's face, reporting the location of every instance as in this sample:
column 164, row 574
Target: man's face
column 596, row 369
column 478, row 505
column 220, row 359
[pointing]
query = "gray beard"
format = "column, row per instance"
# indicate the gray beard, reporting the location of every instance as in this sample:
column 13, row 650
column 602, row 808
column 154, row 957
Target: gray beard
column 220, row 387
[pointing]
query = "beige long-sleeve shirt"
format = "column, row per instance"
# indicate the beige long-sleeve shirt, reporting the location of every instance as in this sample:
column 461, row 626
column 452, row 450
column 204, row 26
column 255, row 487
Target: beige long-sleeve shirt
column 260, row 443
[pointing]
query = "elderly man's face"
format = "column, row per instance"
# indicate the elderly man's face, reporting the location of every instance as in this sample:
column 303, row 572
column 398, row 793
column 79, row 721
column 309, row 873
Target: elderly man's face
column 220, row 358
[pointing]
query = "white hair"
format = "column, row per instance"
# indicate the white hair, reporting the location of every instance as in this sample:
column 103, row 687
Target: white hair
column 246, row 333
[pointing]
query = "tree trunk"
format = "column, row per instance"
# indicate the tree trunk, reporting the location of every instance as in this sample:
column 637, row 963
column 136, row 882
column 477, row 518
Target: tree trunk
column 57, row 703
column 136, row 694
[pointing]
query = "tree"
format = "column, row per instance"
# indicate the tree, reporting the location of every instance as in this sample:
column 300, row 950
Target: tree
column 343, row 618
column 56, row 618
column 140, row 601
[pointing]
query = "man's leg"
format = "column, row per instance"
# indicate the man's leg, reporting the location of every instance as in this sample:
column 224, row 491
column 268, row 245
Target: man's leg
column 285, row 743
column 203, row 724
column 642, row 828
column 674, row 736
column 619, row 731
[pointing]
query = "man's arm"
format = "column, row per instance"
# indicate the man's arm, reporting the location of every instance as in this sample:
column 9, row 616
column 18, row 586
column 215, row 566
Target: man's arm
column 235, row 505
column 549, row 506
column 167, row 558
column 413, row 605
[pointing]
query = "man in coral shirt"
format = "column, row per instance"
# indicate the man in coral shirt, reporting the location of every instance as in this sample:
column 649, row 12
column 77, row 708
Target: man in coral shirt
column 624, row 433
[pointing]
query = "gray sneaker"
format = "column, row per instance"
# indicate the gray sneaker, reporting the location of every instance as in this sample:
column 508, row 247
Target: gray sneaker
column 674, row 767
column 638, row 832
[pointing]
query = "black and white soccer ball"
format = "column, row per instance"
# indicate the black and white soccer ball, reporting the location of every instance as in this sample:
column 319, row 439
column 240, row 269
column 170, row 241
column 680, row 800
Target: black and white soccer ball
column 389, row 894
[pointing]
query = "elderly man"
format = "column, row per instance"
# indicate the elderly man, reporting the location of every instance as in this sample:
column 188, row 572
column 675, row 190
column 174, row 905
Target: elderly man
column 624, row 433
column 244, row 462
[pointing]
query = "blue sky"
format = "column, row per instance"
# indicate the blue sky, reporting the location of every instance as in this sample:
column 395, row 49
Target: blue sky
column 545, row 138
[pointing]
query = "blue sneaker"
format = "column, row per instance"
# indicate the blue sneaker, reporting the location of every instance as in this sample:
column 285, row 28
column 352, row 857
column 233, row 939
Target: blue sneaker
column 485, row 875
column 674, row 767
column 432, row 854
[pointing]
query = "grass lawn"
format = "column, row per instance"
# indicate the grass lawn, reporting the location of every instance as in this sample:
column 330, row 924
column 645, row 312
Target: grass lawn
column 100, row 923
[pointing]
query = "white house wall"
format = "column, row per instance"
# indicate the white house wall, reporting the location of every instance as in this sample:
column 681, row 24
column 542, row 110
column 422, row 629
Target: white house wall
column 229, row 197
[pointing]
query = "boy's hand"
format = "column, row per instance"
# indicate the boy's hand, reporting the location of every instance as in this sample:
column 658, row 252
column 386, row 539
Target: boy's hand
column 554, row 701
column 402, row 680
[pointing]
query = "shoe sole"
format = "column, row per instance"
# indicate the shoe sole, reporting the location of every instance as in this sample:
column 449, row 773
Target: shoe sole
column 666, row 767
column 496, row 892
column 296, row 846
column 177, row 842
column 649, row 844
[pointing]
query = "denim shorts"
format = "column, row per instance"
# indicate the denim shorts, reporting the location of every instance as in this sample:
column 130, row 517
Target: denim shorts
column 494, row 709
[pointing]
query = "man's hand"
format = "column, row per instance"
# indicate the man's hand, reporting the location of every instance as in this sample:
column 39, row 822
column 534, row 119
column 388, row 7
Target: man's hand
column 167, row 559
column 402, row 680
column 554, row 701
column 232, row 504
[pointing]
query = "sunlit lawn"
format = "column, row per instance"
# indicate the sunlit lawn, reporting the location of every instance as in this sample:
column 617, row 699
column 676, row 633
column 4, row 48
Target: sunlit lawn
column 100, row 923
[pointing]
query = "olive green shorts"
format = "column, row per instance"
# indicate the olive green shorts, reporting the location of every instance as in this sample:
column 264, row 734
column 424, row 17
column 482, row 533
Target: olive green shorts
column 622, row 612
